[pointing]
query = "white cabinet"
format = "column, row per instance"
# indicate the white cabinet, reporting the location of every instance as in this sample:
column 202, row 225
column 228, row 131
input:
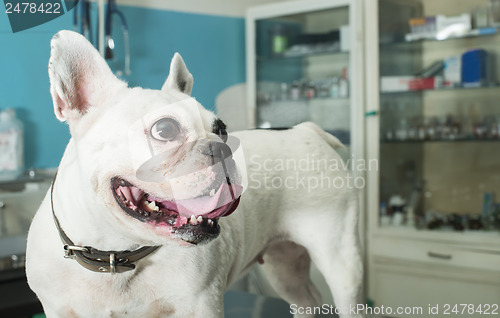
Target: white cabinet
column 438, row 150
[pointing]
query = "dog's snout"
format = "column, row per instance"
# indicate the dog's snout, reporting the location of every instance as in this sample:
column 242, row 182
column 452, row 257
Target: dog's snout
column 217, row 150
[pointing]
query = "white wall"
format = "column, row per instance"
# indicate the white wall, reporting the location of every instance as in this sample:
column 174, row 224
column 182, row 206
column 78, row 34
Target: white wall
column 235, row 8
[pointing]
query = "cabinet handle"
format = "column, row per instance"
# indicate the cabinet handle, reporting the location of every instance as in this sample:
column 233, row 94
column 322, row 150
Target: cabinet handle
column 439, row 255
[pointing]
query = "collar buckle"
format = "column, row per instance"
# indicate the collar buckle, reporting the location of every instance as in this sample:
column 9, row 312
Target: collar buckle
column 112, row 263
column 69, row 250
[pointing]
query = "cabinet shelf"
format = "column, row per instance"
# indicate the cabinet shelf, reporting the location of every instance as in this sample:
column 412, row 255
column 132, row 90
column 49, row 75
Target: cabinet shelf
column 262, row 58
column 439, row 141
column 444, row 89
column 31, row 176
column 482, row 32
column 471, row 237
column 307, row 100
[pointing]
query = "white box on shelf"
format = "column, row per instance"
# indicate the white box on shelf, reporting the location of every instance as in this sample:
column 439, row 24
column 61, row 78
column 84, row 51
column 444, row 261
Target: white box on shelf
column 453, row 69
column 345, row 38
column 452, row 26
column 395, row 83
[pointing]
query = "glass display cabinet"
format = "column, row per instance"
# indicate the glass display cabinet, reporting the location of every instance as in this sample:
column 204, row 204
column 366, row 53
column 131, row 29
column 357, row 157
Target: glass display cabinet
column 433, row 120
column 305, row 63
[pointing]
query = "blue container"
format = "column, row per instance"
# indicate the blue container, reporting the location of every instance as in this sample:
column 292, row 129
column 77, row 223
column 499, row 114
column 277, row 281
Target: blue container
column 475, row 68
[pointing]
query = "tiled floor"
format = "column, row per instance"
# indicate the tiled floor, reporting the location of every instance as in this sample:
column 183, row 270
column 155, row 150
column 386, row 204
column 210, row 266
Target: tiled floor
column 238, row 304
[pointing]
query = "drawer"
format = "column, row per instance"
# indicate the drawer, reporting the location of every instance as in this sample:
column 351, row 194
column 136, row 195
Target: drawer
column 435, row 253
column 409, row 285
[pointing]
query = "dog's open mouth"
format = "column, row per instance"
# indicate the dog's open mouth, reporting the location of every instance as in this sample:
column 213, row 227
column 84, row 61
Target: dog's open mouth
column 193, row 220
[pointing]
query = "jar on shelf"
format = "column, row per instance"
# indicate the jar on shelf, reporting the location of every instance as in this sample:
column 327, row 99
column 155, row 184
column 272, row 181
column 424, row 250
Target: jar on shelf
column 334, row 87
column 310, row 90
column 278, row 35
column 295, row 91
column 11, row 145
column 402, row 130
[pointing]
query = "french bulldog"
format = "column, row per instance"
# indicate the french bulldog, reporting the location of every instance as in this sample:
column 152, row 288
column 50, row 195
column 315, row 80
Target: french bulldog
column 153, row 214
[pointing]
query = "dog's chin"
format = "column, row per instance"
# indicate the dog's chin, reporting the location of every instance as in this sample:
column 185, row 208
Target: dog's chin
column 164, row 216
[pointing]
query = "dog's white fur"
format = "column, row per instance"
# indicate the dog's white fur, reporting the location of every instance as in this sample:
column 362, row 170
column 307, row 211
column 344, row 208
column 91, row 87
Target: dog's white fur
column 287, row 228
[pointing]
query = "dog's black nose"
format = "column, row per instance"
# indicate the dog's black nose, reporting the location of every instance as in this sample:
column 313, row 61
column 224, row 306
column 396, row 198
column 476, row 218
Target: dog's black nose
column 217, row 150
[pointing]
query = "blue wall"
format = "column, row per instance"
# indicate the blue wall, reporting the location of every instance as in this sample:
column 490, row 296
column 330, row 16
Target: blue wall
column 213, row 48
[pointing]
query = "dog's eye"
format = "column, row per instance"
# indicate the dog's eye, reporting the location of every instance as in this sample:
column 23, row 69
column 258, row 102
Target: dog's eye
column 165, row 129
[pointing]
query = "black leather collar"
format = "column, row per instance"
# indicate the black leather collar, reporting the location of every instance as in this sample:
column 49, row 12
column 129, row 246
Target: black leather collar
column 96, row 260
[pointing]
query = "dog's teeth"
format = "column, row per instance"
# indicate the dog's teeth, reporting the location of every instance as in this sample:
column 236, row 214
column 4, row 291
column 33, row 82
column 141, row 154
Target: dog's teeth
column 212, row 192
column 155, row 207
column 122, row 195
column 199, row 219
column 193, row 220
column 152, row 205
column 210, row 222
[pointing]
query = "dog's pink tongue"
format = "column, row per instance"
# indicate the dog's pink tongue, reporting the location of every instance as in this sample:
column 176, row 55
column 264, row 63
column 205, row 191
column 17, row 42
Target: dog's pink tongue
column 210, row 206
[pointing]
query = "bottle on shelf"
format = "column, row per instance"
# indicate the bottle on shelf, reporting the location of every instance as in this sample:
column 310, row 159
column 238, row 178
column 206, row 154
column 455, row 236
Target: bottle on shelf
column 402, row 130
column 278, row 35
column 284, row 91
column 11, row 145
column 397, row 206
column 421, row 129
column 310, row 90
column 410, row 217
column 430, row 130
column 295, row 90
column 413, row 130
column 385, row 219
column 334, row 87
column 493, row 128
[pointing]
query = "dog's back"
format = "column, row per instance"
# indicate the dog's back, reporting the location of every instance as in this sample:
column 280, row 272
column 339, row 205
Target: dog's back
column 303, row 200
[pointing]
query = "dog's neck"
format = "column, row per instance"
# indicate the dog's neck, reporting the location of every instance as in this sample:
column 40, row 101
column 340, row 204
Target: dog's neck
column 98, row 260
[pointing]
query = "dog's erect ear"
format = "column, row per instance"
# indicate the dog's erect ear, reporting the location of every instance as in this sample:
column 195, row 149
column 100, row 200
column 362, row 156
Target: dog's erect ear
column 79, row 76
column 179, row 77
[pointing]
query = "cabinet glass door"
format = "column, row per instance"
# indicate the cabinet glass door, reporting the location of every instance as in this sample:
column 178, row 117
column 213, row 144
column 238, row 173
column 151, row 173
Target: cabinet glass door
column 439, row 117
column 301, row 65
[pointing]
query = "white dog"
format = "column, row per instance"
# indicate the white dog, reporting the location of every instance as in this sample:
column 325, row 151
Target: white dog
column 136, row 223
